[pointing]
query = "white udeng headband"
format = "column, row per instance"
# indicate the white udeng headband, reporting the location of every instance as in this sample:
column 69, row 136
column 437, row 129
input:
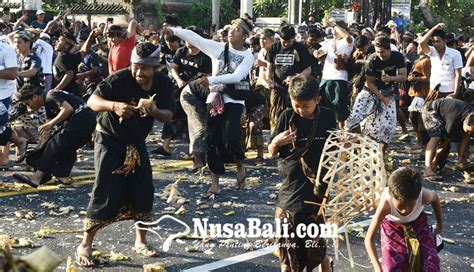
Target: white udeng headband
column 153, row 59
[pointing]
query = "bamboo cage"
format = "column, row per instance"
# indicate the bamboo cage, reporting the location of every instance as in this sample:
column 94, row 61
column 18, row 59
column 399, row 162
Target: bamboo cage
column 352, row 166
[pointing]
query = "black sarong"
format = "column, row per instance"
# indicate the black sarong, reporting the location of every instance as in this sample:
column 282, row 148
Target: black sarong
column 119, row 197
column 58, row 154
column 224, row 138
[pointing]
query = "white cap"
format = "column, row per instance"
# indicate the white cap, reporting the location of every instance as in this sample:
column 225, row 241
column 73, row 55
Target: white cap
column 40, row 11
column 44, row 36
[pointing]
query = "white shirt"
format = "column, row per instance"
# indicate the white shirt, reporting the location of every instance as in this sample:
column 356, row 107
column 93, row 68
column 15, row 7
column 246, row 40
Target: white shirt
column 239, row 61
column 394, row 48
column 442, row 69
column 342, row 47
column 464, row 72
column 45, row 52
column 261, row 70
column 395, row 216
column 7, row 60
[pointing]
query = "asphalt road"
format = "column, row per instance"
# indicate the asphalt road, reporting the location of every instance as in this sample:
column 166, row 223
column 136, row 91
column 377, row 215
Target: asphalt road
column 256, row 201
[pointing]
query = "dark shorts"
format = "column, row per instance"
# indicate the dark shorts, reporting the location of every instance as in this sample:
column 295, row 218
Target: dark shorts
column 433, row 123
column 335, row 95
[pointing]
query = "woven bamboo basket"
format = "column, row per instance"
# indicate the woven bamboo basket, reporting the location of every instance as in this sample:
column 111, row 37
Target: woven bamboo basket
column 353, row 168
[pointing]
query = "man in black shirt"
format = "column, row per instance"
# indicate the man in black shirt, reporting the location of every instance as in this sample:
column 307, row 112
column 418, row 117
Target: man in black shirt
column 363, row 50
column 66, row 63
column 286, row 58
column 187, row 62
column 127, row 102
column 445, row 119
column 173, row 43
column 58, row 154
column 374, row 108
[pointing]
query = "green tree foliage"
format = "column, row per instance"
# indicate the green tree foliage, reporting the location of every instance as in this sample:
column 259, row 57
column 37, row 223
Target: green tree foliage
column 279, row 8
column 200, row 13
column 270, row 8
column 159, row 14
column 456, row 14
column 321, row 8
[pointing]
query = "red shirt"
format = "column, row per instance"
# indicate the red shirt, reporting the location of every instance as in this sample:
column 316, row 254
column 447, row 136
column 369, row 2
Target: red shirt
column 119, row 55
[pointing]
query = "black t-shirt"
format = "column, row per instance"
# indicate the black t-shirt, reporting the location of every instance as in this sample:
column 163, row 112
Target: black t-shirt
column 27, row 63
column 452, row 112
column 55, row 98
column 296, row 188
column 190, row 65
column 254, row 99
column 122, row 87
column 166, row 58
column 375, row 66
column 36, row 24
column 288, row 62
column 67, row 62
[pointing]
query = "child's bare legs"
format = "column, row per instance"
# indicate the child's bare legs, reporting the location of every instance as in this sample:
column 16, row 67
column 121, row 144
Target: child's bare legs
column 419, row 144
column 20, row 144
column 260, row 152
column 253, row 129
column 4, row 160
column 30, row 135
column 166, row 144
column 341, row 124
column 430, row 153
column 463, row 151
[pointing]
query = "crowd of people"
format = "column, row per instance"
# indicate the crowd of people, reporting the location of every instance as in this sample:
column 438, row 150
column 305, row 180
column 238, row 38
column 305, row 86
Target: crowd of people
column 72, row 83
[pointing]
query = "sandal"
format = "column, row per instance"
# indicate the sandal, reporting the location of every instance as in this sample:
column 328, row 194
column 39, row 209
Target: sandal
column 65, row 180
column 144, row 250
column 210, row 194
column 460, row 167
column 85, row 255
column 27, row 180
column 433, row 177
column 160, row 150
column 241, row 179
column 197, row 168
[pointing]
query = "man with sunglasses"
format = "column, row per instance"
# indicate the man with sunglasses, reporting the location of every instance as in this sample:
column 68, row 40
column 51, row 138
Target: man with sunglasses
column 121, row 43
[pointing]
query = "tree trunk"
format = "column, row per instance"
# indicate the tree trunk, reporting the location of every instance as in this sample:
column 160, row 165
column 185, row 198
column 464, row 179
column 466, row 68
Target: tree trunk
column 426, row 11
column 216, row 4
